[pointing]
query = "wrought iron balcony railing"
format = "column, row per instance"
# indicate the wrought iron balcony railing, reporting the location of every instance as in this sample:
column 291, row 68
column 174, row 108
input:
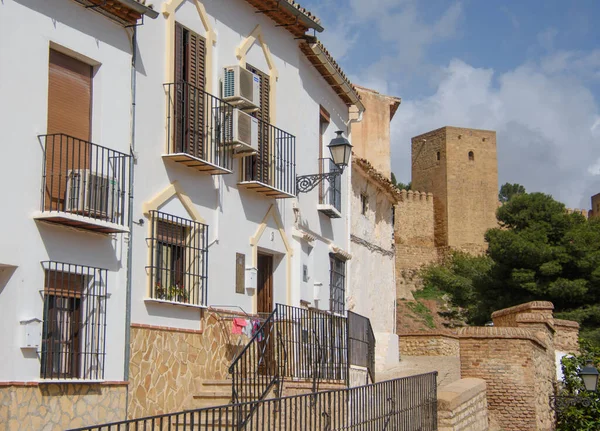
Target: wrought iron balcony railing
column 272, row 169
column 330, row 190
column 84, row 185
column 197, row 127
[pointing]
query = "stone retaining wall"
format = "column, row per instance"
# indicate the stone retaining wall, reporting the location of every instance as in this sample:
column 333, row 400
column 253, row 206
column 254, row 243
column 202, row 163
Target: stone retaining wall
column 429, row 344
column 462, row 406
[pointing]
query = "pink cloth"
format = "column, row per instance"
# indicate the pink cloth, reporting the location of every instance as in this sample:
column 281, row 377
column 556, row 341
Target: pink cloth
column 238, row 326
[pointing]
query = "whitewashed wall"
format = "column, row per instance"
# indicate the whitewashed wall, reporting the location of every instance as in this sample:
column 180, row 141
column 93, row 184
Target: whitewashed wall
column 233, row 214
column 27, row 30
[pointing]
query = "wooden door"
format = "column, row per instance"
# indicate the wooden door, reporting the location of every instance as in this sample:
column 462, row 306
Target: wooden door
column 265, row 283
column 266, row 344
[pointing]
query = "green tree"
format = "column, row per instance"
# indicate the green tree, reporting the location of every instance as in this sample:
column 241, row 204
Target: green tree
column 540, row 252
column 579, row 417
column 403, row 186
column 508, row 190
column 394, row 182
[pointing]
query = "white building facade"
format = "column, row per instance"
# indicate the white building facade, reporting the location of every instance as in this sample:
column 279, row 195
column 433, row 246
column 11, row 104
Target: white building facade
column 144, row 198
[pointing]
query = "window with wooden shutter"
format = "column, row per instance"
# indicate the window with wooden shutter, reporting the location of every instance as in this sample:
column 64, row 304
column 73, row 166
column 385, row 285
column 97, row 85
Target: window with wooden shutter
column 257, row 166
column 69, row 113
column 190, row 59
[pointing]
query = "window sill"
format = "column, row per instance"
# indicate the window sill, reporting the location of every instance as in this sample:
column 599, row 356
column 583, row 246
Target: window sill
column 329, row 210
column 178, row 304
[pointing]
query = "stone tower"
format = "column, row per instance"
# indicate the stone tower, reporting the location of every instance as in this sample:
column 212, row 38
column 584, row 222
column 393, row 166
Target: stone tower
column 460, row 167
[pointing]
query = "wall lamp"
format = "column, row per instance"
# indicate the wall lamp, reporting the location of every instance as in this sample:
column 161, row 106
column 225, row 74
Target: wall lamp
column 589, row 374
column 341, row 150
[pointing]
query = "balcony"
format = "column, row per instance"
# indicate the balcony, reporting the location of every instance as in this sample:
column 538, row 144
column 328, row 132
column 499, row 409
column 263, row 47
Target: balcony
column 196, row 129
column 271, row 171
column 84, row 185
column 330, row 191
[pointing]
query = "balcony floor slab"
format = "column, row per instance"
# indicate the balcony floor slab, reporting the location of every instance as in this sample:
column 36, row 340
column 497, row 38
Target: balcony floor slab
column 196, row 163
column 79, row 222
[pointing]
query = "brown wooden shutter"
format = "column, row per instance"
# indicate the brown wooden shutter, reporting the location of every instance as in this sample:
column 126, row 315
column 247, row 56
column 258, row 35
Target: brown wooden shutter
column 258, row 168
column 170, row 233
column 190, row 65
column 69, row 112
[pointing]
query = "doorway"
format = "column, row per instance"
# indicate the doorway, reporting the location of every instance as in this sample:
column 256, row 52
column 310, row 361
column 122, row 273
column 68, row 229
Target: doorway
column 264, row 307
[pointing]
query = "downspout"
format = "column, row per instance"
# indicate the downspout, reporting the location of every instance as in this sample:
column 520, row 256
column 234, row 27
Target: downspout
column 127, row 355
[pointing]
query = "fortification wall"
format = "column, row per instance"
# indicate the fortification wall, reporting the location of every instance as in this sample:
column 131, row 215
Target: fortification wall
column 583, row 212
column 429, row 174
column 595, row 211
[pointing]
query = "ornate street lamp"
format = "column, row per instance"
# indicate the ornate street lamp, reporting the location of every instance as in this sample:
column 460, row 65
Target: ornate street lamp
column 589, row 374
column 341, row 150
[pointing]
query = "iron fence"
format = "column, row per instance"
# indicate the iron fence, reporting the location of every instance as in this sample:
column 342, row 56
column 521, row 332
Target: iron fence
column 361, row 343
column 85, row 179
column 275, row 162
column 198, row 125
column 404, row 404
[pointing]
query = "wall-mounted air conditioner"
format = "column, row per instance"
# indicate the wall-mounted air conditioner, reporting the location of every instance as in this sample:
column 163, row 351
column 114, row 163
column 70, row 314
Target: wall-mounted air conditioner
column 91, row 194
column 241, row 130
column 241, row 87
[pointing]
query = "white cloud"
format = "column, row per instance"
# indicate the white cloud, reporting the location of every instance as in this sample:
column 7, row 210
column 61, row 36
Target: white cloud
column 546, row 126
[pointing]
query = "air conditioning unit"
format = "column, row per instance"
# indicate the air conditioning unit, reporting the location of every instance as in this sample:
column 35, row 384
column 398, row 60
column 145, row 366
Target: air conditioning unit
column 241, row 131
column 91, row 194
column 241, row 87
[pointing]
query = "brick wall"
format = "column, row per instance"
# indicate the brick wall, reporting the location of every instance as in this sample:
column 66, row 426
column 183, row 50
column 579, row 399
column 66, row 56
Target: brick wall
column 429, row 344
column 462, row 406
column 514, row 364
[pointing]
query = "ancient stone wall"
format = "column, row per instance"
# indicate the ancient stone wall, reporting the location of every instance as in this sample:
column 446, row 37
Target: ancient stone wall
column 472, row 185
column 169, row 364
column 429, row 174
column 49, row 406
column 566, row 337
column 462, row 406
column 595, row 211
column 429, row 344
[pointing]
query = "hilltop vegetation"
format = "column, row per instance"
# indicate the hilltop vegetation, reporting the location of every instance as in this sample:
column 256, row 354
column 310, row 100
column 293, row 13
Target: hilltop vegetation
column 540, row 252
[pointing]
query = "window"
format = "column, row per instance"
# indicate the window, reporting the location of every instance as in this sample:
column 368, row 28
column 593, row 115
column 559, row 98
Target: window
column 337, row 280
column 74, row 328
column 179, row 259
column 471, row 156
column 438, row 156
column 364, row 204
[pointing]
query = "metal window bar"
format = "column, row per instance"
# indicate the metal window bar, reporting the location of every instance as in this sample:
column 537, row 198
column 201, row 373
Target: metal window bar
column 275, row 162
column 199, row 124
column 407, row 403
column 178, row 259
column 330, row 192
column 83, row 178
column 74, row 326
column 337, row 288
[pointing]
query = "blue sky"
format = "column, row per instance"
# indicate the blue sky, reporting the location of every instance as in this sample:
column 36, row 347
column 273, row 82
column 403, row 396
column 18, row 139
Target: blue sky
column 528, row 69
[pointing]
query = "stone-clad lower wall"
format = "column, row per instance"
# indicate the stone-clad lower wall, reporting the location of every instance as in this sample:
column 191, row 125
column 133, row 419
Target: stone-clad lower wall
column 462, row 406
column 429, row 344
column 31, row 406
column 168, row 364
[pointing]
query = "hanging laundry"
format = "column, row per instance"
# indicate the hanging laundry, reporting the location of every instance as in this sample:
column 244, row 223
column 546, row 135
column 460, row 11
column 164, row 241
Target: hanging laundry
column 248, row 329
column 238, row 326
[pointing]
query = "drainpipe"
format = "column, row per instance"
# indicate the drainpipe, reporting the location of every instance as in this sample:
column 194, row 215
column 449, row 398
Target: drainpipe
column 127, row 352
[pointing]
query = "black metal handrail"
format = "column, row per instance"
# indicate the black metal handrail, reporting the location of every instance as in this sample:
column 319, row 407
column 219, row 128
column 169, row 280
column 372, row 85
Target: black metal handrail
column 255, row 369
column 198, row 124
column 274, row 164
column 407, row 403
column 85, row 179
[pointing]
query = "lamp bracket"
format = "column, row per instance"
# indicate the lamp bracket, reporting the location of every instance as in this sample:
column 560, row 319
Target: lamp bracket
column 305, row 183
